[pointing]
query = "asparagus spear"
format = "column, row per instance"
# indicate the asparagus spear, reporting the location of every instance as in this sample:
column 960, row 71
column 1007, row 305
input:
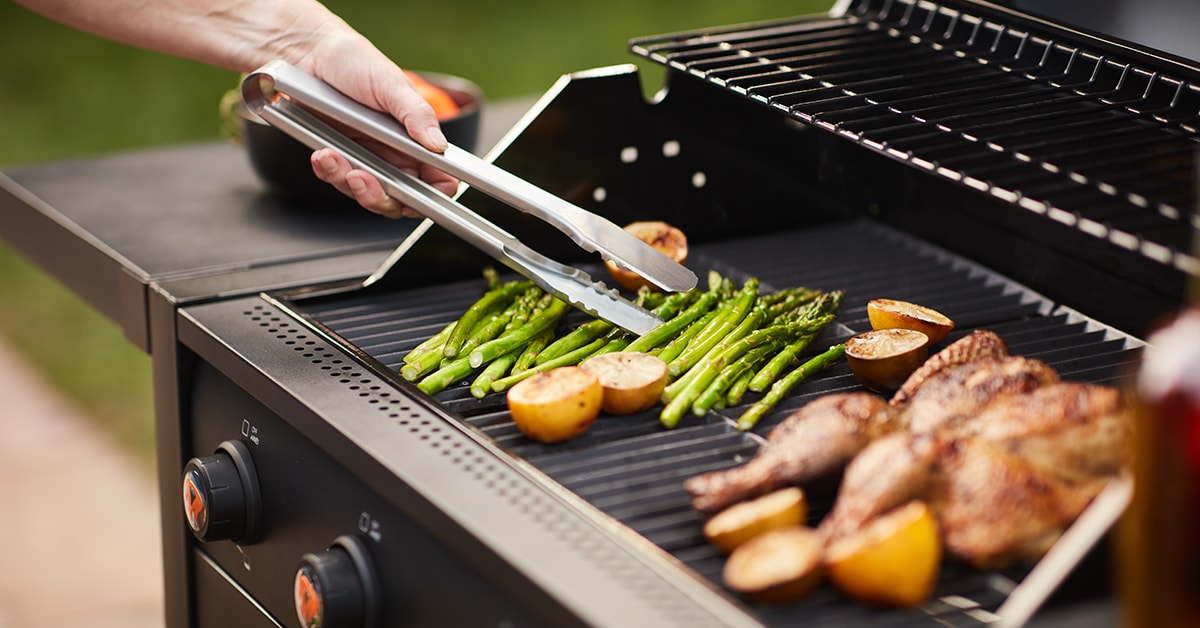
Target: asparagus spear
column 676, row 345
column 783, row 387
column 491, row 301
column 488, row 329
column 708, row 338
column 787, row 357
column 712, row 365
column 749, row 324
column 433, row 343
column 511, row 340
column 529, row 303
column 428, row 361
column 532, row 351
column 715, row 392
column 738, row 389
column 668, row 329
column 447, row 375
column 494, row 370
column 790, row 355
column 491, row 278
column 567, row 359
column 576, row 338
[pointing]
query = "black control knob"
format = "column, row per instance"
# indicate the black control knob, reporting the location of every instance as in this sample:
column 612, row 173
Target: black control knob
column 220, row 495
column 336, row 588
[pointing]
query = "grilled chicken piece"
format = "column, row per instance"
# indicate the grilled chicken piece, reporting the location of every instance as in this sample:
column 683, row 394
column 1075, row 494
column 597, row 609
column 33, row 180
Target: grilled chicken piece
column 1005, row 484
column 821, row 437
column 1006, row 453
column 814, row 441
column 995, row 508
column 954, row 394
column 1069, row 430
column 887, row 473
column 977, row 345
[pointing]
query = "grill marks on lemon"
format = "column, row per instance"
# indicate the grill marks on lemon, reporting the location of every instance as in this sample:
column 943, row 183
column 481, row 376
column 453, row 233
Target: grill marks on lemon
column 894, row 314
column 632, row 381
column 556, row 405
column 883, row 358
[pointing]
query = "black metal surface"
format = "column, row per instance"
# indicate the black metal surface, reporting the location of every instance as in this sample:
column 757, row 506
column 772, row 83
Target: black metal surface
column 1091, row 140
column 632, row 469
column 192, row 220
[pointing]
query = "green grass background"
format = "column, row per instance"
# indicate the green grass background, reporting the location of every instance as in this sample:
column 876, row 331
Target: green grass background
column 65, row 94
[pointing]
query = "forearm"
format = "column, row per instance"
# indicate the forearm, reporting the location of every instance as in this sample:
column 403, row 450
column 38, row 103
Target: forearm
column 242, row 35
column 238, row 35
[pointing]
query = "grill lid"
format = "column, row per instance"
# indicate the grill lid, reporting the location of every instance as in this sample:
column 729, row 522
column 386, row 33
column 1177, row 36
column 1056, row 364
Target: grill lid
column 1094, row 136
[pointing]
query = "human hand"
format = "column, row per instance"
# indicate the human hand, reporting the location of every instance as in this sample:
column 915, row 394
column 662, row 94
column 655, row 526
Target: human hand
column 244, row 35
column 356, row 68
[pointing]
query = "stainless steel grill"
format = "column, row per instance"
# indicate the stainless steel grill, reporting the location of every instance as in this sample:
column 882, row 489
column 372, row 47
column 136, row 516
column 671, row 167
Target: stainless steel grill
column 958, row 155
column 1017, row 174
column 633, row 471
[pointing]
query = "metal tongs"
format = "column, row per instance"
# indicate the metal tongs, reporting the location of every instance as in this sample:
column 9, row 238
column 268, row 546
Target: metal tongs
column 290, row 99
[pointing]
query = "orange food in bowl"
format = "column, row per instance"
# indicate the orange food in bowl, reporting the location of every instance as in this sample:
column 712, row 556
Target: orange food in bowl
column 441, row 101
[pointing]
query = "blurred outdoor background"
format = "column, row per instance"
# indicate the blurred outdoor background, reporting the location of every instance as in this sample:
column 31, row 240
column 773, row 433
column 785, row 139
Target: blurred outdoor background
column 67, row 95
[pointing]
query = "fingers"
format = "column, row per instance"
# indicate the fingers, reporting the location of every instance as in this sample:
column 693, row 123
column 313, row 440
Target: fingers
column 331, row 167
column 422, row 124
column 355, row 67
column 367, row 190
column 445, row 183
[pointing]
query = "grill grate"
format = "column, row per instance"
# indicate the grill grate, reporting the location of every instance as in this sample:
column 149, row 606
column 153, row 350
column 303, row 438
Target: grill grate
column 1091, row 138
column 632, row 469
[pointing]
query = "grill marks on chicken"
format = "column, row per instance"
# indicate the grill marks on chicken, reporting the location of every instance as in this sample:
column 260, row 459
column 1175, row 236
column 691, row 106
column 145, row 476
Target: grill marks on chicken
column 956, row 393
column 976, row 346
column 833, row 429
column 1005, row 452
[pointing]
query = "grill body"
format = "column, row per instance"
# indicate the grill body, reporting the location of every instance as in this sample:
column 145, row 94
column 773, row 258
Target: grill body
column 801, row 152
column 1015, row 174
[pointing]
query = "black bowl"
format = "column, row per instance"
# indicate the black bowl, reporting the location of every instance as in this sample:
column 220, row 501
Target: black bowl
column 283, row 163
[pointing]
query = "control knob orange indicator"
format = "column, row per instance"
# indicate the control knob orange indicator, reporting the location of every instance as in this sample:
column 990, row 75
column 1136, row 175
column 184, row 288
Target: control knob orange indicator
column 220, row 495
column 336, row 588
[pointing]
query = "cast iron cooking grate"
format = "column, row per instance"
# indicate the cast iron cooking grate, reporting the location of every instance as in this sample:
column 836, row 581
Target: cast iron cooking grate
column 632, row 469
column 1092, row 136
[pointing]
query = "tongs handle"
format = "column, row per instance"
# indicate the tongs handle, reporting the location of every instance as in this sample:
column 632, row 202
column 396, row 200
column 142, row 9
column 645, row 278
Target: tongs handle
column 566, row 282
column 589, row 231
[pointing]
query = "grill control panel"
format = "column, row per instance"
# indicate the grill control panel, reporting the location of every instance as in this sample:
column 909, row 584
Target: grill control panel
column 326, row 545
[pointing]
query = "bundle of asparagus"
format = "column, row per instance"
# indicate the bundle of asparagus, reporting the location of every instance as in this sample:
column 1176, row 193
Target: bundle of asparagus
column 718, row 343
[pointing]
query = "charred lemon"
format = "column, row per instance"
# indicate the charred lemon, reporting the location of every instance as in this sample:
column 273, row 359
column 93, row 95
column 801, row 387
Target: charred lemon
column 883, row 358
column 556, row 405
column 893, row 314
column 658, row 234
column 632, row 381
column 778, row 566
column 893, row 561
column 741, row 522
